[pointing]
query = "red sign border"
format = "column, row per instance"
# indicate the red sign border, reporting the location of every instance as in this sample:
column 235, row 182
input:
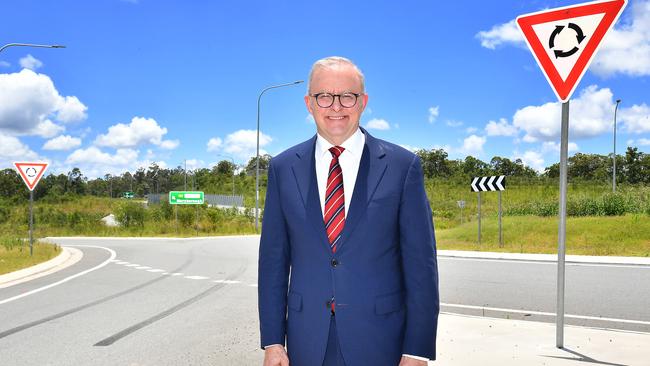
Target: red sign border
column 564, row 89
column 38, row 177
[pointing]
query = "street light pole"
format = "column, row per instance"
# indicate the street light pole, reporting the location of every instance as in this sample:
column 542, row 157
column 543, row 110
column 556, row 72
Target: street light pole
column 30, row 45
column 257, row 154
column 614, row 157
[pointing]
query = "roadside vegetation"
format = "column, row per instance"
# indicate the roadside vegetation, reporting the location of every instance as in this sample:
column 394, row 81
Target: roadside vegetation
column 600, row 222
column 14, row 254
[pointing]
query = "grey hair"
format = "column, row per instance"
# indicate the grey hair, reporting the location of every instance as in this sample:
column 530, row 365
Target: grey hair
column 332, row 62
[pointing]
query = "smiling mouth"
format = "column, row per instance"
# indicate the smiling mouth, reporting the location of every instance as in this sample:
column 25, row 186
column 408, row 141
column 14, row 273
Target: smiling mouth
column 336, row 118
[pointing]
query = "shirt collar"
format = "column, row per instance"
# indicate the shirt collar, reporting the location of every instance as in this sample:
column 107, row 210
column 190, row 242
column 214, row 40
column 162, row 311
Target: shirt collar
column 354, row 144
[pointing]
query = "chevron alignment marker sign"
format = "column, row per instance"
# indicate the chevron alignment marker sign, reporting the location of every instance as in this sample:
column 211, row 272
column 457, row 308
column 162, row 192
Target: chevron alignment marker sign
column 489, row 184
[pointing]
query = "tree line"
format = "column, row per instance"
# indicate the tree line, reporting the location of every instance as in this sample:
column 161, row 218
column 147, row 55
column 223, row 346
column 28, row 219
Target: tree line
column 226, row 177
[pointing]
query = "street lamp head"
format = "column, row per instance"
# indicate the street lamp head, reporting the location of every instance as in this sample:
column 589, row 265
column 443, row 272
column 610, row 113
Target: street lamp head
column 57, row 46
column 618, row 101
column 298, row 81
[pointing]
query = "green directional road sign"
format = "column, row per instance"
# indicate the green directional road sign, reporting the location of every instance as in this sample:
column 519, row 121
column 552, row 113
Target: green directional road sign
column 185, row 198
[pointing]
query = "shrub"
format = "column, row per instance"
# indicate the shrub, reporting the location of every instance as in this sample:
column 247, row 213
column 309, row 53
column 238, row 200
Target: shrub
column 130, row 214
column 614, row 204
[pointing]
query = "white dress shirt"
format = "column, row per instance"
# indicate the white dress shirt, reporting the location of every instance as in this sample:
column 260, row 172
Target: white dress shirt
column 349, row 161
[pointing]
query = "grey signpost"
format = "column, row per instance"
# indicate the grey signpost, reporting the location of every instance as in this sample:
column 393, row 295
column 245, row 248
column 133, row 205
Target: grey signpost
column 31, row 174
column 489, row 184
column 586, row 24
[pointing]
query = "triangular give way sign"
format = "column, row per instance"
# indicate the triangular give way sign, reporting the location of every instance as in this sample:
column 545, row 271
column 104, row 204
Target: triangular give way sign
column 31, row 173
column 565, row 40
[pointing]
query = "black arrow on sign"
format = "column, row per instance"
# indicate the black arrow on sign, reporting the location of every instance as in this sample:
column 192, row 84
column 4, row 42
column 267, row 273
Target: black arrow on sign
column 579, row 35
column 556, row 31
column 568, row 53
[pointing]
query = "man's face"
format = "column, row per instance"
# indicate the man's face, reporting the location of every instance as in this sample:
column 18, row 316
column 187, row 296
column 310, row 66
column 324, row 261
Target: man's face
column 336, row 123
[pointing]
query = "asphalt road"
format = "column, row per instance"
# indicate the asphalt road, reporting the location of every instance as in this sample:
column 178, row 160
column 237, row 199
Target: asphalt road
column 194, row 302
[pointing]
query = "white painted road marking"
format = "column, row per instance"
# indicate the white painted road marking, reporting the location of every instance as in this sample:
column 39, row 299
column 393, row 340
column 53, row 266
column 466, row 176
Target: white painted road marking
column 196, row 277
column 113, row 255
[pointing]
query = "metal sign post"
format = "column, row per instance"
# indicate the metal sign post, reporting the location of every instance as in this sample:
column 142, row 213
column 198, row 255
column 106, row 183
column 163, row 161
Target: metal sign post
column 564, row 147
column 489, row 184
column 563, row 66
column 479, row 218
column 500, row 227
column 461, row 205
column 31, row 174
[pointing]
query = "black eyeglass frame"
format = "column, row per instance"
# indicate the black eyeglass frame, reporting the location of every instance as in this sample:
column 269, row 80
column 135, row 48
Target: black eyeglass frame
column 356, row 98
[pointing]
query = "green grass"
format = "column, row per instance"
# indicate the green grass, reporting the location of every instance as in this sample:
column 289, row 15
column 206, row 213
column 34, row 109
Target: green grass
column 14, row 254
column 627, row 235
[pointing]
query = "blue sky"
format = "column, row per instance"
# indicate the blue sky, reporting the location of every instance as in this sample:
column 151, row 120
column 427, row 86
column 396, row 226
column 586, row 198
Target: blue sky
column 146, row 81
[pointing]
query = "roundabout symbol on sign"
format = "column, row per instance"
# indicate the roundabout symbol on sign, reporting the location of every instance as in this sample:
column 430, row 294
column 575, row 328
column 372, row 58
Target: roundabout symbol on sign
column 558, row 29
column 31, row 172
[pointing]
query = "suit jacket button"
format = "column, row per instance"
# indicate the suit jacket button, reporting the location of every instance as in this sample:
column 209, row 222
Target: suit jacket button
column 335, row 262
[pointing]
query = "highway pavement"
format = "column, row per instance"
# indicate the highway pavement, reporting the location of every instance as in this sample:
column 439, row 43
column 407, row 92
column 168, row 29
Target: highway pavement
column 194, row 302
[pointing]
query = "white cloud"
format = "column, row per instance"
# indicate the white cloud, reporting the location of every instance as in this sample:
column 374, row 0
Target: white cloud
column 625, row 50
column 501, row 34
column 29, row 103
column 639, row 142
column 4, row 64
column 454, row 124
column 310, row 119
column 70, row 109
column 471, row 130
column 433, row 113
column 378, row 124
column 532, row 159
column 214, row 144
column 63, row 142
column 473, row 145
column 591, row 114
column 96, row 163
column 30, row 62
column 501, row 128
column 635, row 119
column 242, row 143
column 551, row 146
column 410, row 148
column 140, row 131
column 193, row 164
column 47, row 129
column 169, row 144
column 12, row 149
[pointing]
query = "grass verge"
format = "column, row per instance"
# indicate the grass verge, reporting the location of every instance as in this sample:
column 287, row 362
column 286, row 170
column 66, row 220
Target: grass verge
column 627, row 235
column 14, row 254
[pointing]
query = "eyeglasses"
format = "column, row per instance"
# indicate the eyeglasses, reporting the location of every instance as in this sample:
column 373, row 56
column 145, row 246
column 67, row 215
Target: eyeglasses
column 326, row 100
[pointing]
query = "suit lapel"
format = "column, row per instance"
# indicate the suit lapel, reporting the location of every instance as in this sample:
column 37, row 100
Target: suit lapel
column 371, row 171
column 304, row 171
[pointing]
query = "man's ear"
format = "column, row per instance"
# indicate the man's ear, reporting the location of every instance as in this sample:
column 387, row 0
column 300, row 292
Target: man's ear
column 308, row 104
column 364, row 102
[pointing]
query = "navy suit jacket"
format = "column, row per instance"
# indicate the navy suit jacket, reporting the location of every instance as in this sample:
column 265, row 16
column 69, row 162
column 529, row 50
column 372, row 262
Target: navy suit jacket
column 383, row 276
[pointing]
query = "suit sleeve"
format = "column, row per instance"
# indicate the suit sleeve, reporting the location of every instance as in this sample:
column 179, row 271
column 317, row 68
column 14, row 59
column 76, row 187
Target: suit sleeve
column 273, row 267
column 419, row 266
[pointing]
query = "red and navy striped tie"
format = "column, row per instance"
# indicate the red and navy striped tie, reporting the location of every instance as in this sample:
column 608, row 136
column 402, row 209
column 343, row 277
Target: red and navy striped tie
column 334, row 199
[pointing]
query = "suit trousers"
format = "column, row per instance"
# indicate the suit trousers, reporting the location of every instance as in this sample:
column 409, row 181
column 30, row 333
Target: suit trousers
column 333, row 356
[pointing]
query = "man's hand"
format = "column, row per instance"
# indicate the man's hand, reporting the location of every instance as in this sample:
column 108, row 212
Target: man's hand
column 409, row 361
column 276, row 356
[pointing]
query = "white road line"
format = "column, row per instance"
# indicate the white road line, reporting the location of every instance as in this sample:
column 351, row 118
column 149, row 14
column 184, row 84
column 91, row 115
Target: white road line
column 132, row 265
column 523, row 312
column 156, row 270
column 253, row 285
column 197, row 277
column 227, row 281
column 113, row 255
column 121, row 262
column 542, row 262
column 143, row 267
column 176, row 274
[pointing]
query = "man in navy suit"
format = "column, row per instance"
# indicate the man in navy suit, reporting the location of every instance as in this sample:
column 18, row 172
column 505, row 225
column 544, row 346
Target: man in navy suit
column 347, row 267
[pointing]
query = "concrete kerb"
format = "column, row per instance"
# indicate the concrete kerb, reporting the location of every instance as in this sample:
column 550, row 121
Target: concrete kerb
column 66, row 258
column 573, row 259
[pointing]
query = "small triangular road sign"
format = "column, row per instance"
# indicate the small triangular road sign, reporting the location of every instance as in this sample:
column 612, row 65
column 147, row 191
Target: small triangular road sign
column 565, row 40
column 31, row 173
